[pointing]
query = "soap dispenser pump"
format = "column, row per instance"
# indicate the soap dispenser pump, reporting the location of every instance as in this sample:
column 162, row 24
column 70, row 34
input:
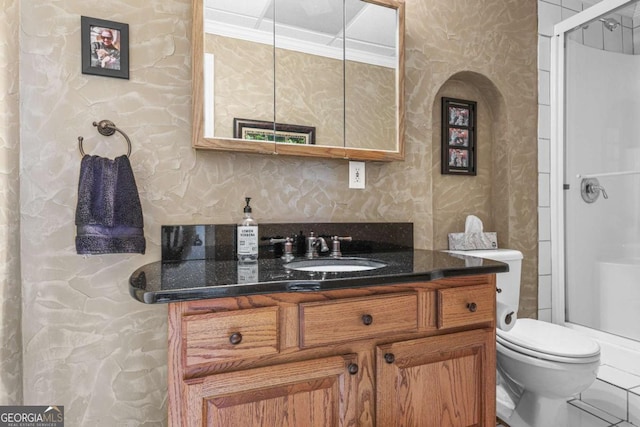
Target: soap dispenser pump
column 247, row 236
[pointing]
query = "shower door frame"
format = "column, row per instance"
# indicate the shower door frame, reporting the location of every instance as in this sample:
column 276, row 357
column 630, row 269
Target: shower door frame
column 557, row 141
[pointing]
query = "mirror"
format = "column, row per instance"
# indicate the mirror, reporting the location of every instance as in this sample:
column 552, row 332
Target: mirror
column 280, row 77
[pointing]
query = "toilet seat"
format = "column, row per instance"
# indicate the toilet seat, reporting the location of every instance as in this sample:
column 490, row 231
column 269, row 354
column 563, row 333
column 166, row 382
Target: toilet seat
column 548, row 341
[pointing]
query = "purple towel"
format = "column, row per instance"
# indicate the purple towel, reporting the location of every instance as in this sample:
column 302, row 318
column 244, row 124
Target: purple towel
column 108, row 214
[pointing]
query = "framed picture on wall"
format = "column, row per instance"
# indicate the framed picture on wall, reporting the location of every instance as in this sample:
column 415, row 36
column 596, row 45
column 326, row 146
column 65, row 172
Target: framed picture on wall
column 105, row 47
column 259, row 130
column 459, row 155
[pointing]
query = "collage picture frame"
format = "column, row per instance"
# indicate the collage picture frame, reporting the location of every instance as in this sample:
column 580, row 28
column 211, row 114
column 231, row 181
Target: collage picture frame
column 459, row 156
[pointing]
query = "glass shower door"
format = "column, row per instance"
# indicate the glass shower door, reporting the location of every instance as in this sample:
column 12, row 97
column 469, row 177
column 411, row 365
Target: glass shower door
column 602, row 170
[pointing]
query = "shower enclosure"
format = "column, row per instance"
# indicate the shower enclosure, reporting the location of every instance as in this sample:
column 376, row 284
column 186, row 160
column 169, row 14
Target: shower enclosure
column 595, row 176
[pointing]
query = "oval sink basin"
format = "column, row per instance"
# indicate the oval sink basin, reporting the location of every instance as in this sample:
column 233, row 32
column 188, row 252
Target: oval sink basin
column 334, row 265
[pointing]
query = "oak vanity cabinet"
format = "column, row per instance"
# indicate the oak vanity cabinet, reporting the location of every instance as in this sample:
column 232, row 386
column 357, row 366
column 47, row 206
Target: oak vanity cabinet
column 418, row 354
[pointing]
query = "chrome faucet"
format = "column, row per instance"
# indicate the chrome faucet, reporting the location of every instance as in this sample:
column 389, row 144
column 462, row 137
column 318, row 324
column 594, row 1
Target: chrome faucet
column 335, row 245
column 288, row 247
column 312, row 243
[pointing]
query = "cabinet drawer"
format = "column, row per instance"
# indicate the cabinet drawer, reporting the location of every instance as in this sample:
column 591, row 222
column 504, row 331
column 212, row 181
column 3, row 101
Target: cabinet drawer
column 230, row 335
column 357, row 318
column 466, row 305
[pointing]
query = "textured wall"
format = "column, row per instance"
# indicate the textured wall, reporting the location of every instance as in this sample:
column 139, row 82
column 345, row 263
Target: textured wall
column 243, row 82
column 10, row 331
column 485, row 49
column 86, row 344
column 456, row 196
column 244, row 88
column 370, row 106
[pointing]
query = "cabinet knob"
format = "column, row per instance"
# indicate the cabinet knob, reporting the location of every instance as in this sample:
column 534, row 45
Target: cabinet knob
column 389, row 357
column 352, row 368
column 235, row 338
column 367, row 319
column 472, row 306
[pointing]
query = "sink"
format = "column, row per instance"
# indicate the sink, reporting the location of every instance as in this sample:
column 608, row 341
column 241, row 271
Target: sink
column 335, row 265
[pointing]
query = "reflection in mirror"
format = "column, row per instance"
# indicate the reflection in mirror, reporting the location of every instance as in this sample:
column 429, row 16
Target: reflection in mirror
column 238, row 65
column 309, row 70
column 371, row 68
column 283, row 62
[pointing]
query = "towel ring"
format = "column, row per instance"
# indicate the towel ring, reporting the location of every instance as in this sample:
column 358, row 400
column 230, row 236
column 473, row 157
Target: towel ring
column 106, row 128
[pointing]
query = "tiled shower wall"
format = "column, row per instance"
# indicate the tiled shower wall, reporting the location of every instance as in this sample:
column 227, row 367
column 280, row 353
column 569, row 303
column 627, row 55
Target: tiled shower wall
column 625, row 38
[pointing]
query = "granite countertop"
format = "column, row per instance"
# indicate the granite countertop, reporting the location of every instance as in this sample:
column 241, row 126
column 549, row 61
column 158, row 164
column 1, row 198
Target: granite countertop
column 163, row 282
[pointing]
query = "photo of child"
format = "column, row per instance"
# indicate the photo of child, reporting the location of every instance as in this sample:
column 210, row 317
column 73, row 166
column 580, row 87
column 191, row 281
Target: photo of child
column 458, row 158
column 459, row 137
column 458, row 116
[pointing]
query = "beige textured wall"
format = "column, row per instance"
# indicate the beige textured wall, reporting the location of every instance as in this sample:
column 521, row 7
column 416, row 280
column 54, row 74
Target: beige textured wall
column 243, row 82
column 370, row 106
column 244, row 88
column 86, row 344
column 10, row 330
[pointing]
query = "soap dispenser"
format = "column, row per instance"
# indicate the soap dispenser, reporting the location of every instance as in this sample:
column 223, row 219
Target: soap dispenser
column 247, row 236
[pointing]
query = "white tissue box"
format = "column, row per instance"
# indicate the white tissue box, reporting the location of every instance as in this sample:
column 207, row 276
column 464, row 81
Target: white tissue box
column 473, row 241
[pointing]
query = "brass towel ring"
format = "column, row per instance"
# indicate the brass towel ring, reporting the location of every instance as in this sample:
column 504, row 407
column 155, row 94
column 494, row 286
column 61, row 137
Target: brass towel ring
column 106, row 128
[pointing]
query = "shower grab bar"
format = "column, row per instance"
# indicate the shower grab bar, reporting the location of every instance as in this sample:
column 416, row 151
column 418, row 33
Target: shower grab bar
column 597, row 175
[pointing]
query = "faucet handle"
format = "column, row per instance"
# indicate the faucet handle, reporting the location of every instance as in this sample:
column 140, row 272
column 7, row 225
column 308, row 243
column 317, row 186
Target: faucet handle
column 288, row 247
column 335, row 245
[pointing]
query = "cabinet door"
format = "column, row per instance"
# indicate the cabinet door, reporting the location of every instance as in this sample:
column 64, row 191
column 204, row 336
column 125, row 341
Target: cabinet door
column 446, row 380
column 320, row 392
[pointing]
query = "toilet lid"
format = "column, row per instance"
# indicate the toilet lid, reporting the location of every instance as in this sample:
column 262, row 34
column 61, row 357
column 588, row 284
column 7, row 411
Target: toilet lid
column 545, row 338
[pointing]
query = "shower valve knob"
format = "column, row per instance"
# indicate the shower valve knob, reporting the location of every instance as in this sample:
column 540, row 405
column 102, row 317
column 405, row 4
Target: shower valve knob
column 590, row 189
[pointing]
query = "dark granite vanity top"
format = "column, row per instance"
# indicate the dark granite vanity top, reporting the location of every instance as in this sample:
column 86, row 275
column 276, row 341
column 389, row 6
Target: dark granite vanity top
column 220, row 276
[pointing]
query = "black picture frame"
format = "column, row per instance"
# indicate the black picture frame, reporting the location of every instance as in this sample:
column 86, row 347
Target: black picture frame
column 459, row 155
column 101, row 56
column 261, row 130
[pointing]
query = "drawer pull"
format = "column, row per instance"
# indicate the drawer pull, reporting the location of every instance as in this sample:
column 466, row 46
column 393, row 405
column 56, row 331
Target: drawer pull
column 389, row 358
column 235, row 338
column 352, row 368
column 472, row 306
column 367, row 319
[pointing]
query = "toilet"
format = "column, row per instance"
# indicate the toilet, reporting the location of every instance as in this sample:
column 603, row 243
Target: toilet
column 540, row 365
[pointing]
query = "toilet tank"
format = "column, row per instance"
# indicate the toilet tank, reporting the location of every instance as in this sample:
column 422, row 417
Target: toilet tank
column 509, row 282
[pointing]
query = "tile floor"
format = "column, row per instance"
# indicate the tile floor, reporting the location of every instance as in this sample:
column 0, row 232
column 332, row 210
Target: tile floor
column 582, row 415
column 612, row 401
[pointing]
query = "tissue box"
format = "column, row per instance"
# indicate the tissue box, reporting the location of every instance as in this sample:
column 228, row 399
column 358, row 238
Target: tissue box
column 473, row 241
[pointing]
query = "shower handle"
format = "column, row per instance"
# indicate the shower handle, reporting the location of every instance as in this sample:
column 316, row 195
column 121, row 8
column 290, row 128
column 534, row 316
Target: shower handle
column 596, row 188
column 590, row 190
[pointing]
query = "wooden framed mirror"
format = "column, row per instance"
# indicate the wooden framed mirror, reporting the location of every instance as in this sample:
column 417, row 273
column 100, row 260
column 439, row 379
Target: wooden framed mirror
column 288, row 62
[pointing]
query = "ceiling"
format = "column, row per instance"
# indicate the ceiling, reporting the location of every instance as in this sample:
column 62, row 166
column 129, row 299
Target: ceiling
column 311, row 26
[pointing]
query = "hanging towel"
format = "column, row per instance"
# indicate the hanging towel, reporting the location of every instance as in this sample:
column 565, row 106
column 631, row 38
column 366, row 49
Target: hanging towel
column 108, row 214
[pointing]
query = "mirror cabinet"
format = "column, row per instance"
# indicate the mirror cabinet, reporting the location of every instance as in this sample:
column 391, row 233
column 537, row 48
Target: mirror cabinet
column 300, row 77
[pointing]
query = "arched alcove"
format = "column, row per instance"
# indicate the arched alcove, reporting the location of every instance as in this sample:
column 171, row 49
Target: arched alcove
column 485, row 194
column 503, row 193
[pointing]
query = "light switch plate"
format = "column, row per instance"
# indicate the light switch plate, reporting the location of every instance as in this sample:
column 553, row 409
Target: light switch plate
column 356, row 175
